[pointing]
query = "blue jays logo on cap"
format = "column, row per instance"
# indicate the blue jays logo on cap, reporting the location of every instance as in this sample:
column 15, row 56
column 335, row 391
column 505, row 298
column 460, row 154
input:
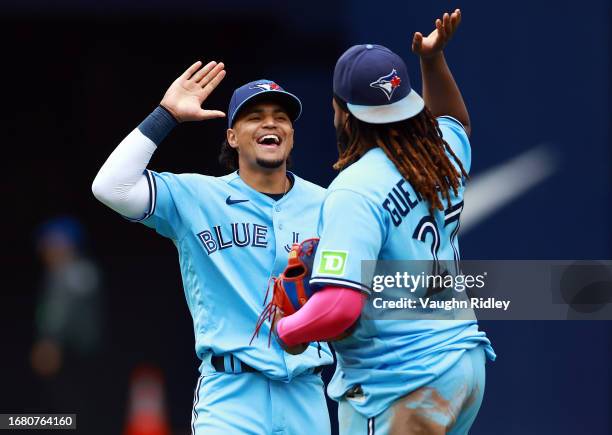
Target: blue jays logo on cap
column 267, row 86
column 388, row 83
column 263, row 90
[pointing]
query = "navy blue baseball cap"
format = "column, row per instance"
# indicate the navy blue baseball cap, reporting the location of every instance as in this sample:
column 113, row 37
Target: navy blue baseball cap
column 265, row 90
column 373, row 81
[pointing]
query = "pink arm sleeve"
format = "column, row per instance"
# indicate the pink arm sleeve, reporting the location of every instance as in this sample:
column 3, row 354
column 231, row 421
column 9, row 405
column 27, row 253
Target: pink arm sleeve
column 328, row 313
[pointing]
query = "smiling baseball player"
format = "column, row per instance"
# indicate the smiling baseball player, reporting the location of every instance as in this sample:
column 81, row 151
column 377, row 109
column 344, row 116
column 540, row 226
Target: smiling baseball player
column 399, row 196
column 232, row 233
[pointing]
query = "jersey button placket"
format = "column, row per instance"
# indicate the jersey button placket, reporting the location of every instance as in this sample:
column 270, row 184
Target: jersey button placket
column 280, row 260
column 277, row 209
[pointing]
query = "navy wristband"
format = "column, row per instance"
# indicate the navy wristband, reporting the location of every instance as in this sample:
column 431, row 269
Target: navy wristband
column 157, row 125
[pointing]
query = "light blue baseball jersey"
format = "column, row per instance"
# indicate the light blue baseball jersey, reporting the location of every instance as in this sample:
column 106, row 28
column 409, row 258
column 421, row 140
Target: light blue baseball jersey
column 230, row 239
column 371, row 213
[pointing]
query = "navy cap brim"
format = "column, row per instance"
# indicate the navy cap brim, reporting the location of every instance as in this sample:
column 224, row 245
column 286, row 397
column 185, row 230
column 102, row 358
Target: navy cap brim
column 409, row 106
column 283, row 98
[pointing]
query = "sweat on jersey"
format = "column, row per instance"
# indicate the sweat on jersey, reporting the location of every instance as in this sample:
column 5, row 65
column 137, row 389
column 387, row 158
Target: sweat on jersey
column 371, row 213
column 230, row 239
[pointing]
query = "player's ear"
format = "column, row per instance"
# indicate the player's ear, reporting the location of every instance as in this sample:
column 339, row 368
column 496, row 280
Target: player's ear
column 231, row 138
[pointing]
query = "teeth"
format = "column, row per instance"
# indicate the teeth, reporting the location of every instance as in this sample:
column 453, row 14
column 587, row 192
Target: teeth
column 274, row 137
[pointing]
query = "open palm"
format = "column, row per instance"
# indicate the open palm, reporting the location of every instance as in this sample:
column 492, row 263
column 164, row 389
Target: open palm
column 185, row 96
column 436, row 41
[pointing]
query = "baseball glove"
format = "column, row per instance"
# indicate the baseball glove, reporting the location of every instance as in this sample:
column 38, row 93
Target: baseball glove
column 290, row 290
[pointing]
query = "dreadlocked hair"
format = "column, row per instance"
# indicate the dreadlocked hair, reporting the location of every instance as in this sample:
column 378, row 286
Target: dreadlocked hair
column 416, row 148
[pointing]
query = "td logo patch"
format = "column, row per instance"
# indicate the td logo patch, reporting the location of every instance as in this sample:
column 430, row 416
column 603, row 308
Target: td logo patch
column 332, row 263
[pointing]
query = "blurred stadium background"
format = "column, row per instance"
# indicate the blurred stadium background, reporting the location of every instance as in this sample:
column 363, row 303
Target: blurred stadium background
column 77, row 76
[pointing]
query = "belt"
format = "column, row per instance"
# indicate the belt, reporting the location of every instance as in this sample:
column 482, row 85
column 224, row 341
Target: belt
column 234, row 365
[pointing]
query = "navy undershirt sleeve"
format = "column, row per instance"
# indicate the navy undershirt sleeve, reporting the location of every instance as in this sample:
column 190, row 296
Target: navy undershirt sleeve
column 157, row 125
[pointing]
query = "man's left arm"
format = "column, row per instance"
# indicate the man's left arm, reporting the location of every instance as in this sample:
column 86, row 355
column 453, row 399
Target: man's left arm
column 440, row 91
column 327, row 315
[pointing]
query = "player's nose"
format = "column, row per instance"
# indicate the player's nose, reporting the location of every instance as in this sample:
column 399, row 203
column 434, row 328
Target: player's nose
column 269, row 122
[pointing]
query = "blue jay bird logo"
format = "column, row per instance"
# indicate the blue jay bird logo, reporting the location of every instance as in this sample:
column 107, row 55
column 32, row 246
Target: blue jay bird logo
column 266, row 86
column 387, row 83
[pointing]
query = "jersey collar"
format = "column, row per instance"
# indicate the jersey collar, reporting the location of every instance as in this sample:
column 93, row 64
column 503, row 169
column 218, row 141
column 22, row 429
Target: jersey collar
column 293, row 179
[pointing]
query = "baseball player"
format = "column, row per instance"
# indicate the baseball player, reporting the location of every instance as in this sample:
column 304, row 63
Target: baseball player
column 399, row 196
column 232, row 233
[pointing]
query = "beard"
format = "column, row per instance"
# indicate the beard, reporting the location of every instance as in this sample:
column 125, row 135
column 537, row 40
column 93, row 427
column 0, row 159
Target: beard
column 270, row 164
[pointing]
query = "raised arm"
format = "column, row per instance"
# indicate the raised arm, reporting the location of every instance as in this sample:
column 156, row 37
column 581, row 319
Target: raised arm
column 121, row 184
column 440, row 92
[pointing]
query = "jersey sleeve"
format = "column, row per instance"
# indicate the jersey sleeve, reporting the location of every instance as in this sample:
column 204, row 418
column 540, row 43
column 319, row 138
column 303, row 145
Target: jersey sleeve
column 454, row 134
column 163, row 215
column 351, row 229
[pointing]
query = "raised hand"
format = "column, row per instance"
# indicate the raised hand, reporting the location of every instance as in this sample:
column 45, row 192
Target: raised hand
column 185, row 96
column 435, row 42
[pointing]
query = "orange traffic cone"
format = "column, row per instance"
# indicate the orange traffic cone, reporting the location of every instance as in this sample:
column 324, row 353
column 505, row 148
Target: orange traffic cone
column 147, row 408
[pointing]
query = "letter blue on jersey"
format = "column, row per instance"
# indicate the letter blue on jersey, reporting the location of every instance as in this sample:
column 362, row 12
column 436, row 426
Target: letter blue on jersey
column 371, row 213
column 227, row 252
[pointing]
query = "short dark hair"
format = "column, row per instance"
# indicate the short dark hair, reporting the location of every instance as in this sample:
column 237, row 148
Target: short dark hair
column 228, row 156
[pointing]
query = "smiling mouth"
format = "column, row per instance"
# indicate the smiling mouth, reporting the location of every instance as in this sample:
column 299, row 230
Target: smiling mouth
column 269, row 140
